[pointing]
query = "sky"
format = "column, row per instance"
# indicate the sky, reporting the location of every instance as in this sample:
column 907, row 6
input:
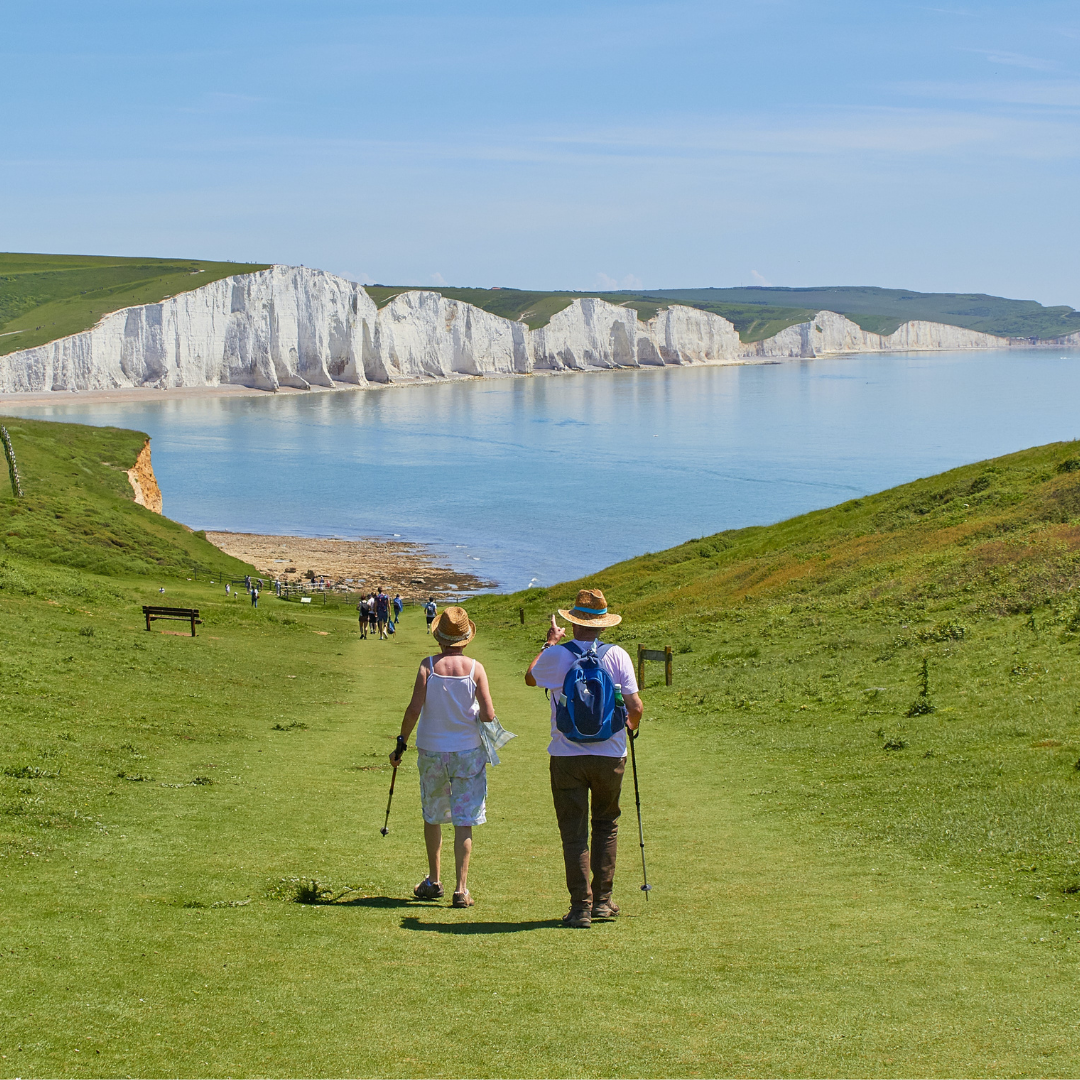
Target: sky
column 573, row 145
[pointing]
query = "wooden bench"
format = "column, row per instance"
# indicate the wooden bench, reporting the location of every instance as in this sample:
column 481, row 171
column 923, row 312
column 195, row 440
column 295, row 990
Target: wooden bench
column 182, row 613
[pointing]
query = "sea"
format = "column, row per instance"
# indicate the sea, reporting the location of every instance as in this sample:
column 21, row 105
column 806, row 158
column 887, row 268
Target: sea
column 532, row 481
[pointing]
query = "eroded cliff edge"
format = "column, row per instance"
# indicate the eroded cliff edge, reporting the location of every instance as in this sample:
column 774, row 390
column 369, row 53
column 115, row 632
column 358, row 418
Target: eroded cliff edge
column 143, row 481
column 297, row 327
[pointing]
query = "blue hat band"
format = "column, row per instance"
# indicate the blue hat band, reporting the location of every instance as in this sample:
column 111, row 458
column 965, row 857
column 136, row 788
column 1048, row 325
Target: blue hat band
column 590, row 610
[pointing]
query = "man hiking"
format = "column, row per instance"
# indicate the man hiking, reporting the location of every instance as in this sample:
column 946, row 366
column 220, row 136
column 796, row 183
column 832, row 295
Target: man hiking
column 430, row 611
column 588, row 747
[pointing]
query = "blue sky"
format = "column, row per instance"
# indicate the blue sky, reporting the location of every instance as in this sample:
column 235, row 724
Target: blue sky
column 555, row 145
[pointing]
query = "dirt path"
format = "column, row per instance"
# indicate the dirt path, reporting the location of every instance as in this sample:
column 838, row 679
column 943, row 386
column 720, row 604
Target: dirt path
column 408, row 569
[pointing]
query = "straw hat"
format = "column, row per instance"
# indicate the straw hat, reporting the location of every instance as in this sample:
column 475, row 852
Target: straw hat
column 454, row 629
column 590, row 610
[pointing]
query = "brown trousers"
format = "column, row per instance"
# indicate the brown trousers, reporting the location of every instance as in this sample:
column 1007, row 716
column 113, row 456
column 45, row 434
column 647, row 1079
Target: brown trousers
column 572, row 781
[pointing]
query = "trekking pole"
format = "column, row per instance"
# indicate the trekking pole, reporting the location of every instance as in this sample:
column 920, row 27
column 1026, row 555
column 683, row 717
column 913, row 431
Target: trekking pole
column 646, row 887
column 386, row 824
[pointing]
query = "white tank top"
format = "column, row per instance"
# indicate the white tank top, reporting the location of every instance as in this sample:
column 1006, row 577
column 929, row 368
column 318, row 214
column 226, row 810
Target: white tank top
column 449, row 719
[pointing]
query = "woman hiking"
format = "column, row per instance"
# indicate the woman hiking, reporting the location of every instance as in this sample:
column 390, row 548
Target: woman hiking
column 450, row 699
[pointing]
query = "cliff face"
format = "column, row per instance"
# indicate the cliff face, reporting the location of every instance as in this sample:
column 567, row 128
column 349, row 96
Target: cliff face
column 292, row 326
column 144, row 482
column 424, row 335
column 284, row 326
column 829, row 334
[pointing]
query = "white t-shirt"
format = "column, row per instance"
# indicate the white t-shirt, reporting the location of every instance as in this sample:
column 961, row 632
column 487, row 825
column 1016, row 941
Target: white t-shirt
column 551, row 669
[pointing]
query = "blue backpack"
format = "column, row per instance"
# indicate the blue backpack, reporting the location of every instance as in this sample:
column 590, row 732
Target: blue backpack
column 586, row 709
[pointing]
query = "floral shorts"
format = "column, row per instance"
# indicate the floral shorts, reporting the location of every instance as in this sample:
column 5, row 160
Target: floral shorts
column 453, row 786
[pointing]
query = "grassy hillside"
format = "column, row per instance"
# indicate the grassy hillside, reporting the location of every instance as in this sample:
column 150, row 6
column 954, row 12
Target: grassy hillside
column 850, row 877
column 759, row 313
column 537, row 308
column 78, row 508
column 881, row 311
column 44, row 297
column 803, row 644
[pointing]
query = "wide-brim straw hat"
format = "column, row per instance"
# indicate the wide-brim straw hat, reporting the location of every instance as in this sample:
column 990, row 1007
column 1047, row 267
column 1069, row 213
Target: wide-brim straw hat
column 454, row 629
column 590, row 610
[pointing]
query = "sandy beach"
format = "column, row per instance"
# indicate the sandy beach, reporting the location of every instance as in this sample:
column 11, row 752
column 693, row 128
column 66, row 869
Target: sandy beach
column 360, row 565
column 144, row 393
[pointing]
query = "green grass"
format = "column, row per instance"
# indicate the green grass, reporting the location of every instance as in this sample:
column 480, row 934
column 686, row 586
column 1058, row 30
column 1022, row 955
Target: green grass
column 79, row 509
column 881, row 311
column 45, row 297
column 822, row 905
column 536, row 309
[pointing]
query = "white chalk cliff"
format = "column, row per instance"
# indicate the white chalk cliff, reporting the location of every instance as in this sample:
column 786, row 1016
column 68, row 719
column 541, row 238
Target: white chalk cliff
column 292, row 326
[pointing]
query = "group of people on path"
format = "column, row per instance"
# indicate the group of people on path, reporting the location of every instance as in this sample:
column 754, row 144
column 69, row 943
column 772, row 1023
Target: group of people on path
column 374, row 612
column 594, row 703
column 253, row 588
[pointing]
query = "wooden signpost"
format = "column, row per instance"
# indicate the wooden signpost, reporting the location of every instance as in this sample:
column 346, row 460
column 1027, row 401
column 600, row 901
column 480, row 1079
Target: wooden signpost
column 644, row 654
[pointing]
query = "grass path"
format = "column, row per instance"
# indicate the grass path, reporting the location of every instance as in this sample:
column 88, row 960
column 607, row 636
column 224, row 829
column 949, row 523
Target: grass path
column 763, row 950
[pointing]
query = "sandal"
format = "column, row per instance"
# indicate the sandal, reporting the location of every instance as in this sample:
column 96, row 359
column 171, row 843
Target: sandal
column 462, row 899
column 428, row 890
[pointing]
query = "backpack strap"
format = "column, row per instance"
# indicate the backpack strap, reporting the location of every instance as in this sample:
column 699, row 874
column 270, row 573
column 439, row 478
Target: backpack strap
column 572, row 647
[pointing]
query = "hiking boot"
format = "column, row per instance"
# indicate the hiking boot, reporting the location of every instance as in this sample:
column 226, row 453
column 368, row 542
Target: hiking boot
column 605, row 909
column 428, row 890
column 462, row 899
column 578, row 918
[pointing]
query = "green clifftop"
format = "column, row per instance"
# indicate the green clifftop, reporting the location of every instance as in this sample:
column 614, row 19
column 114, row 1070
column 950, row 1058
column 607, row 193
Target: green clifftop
column 45, row 297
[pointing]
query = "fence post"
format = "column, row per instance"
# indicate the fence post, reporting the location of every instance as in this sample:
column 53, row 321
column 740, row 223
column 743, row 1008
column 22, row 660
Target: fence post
column 667, row 665
column 13, row 468
column 521, row 614
column 640, row 665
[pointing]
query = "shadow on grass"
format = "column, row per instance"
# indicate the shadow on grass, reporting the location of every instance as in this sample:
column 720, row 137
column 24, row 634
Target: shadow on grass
column 369, row 902
column 413, row 923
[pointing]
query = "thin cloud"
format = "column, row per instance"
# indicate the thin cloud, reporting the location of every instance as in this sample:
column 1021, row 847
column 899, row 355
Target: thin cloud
column 759, row 279
column 1011, row 59
column 1059, row 94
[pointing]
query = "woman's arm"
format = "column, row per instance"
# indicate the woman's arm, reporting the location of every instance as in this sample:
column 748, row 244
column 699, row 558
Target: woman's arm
column 412, row 713
column 483, row 695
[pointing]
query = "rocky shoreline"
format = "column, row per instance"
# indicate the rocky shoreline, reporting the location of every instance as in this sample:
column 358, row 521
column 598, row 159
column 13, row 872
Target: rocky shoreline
column 359, row 566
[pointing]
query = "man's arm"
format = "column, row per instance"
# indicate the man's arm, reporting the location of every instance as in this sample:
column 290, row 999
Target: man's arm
column 412, row 714
column 634, row 708
column 554, row 636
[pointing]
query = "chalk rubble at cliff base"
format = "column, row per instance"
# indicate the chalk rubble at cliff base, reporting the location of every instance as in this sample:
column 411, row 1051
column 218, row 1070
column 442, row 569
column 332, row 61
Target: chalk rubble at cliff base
column 296, row 327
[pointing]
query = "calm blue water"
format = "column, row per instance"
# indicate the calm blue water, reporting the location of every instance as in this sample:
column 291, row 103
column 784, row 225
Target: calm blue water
column 545, row 479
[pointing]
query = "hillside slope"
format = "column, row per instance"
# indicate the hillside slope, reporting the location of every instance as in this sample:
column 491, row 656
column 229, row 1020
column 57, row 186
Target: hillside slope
column 45, row 297
column 802, row 645
column 78, row 507
column 882, row 311
column 760, row 312
column 838, row 888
